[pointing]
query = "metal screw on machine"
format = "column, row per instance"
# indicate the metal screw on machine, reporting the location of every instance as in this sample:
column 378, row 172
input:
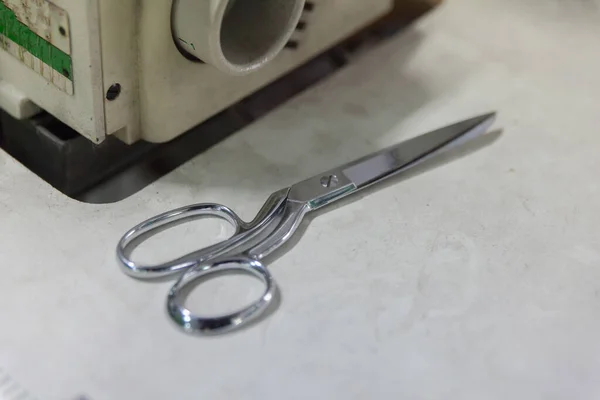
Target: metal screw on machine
column 113, row 91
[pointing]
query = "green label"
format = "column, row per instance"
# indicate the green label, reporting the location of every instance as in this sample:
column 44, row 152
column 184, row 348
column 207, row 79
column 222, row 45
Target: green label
column 15, row 31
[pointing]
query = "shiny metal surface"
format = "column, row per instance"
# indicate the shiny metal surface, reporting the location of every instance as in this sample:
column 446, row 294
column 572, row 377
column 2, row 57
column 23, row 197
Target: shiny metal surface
column 275, row 223
column 184, row 318
column 395, row 159
column 243, row 232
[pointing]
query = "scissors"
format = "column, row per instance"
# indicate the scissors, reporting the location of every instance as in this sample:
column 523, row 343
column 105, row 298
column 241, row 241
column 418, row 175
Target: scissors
column 275, row 223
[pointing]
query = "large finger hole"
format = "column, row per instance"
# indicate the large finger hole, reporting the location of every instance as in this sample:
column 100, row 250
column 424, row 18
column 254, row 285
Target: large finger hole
column 184, row 236
column 222, row 293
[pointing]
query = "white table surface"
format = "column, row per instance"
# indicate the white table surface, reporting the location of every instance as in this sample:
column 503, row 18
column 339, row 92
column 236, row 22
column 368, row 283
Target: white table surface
column 478, row 279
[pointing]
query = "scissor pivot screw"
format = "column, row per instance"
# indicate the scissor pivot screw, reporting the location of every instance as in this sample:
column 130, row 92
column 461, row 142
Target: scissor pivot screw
column 329, row 181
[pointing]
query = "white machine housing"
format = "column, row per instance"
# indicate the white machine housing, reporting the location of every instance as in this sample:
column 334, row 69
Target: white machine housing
column 163, row 93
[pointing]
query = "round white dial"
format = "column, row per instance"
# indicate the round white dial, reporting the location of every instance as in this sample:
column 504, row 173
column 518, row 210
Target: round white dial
column 235, row 36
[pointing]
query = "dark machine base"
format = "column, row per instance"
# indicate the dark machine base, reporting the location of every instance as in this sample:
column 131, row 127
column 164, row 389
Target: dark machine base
column 86, row 171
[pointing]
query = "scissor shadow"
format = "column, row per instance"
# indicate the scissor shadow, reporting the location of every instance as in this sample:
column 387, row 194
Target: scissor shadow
column 435, row 162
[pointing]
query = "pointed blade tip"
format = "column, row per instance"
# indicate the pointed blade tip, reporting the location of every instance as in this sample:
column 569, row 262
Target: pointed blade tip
column 489, row 117
column 483, row 122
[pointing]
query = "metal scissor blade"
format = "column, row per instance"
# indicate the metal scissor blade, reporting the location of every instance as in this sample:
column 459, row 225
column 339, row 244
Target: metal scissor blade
column 392, row 160
column 342, row 181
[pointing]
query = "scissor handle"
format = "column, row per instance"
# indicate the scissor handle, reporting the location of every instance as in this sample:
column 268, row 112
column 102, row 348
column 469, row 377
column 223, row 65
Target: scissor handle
column 151, row 226
column 243, row 231
column 215, row 325
column 283, row 227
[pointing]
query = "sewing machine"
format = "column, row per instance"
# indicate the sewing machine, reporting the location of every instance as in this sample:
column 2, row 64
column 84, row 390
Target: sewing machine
column 147, row 71
column 154, row 69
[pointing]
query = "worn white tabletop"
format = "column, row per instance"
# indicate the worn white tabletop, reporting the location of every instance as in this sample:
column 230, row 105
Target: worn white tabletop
column 477, row 279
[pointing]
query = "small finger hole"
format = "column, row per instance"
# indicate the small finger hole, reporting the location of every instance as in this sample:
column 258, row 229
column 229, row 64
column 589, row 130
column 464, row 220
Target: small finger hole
column 178, row 239
column 221, row 293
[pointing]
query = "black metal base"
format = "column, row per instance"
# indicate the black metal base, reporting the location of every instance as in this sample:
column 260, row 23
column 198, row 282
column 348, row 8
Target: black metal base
column 62, row 157
column 83, row 170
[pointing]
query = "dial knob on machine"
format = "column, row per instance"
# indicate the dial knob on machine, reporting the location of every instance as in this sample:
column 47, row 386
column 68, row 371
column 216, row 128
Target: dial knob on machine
column 235, row 36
